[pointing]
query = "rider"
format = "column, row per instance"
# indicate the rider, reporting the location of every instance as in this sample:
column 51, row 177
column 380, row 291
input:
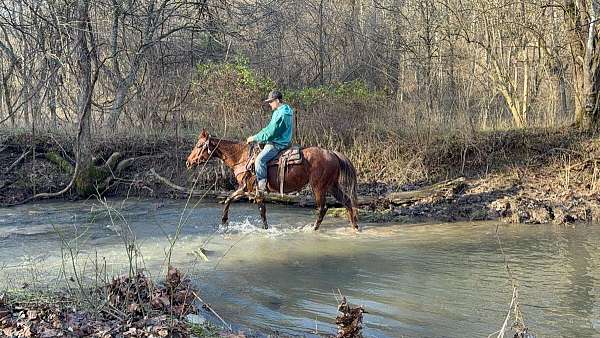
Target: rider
column 277, row 135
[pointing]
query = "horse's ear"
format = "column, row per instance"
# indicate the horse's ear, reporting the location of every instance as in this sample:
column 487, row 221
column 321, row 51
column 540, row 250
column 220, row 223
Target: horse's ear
column 203, row 133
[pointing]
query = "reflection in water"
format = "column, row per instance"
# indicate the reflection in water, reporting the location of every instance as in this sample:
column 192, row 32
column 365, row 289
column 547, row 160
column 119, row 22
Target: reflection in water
column 579, row 299
column 443, row 280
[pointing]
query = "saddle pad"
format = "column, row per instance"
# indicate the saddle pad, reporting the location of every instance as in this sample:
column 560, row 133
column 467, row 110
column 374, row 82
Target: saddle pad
column 292, row 155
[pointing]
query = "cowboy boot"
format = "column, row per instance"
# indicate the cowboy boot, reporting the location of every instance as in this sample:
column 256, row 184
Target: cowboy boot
column 261, row 188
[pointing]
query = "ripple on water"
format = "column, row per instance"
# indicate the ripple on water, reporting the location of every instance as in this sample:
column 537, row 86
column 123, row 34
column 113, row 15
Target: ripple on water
column 427, row 280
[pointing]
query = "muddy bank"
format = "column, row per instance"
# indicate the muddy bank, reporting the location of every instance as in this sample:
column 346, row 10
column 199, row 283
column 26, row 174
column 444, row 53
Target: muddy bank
column 520, row 176
column 27, row 166
column 535, row 198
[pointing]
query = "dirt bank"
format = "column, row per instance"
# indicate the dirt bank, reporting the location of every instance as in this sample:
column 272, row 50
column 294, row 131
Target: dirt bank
column 540, row 176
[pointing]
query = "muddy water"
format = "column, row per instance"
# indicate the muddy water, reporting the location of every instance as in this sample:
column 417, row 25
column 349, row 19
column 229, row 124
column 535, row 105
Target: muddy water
column 438, row 280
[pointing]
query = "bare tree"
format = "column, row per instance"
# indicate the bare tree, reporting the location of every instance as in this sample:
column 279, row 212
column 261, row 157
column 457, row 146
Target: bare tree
column 582, row 17
column 483, row 63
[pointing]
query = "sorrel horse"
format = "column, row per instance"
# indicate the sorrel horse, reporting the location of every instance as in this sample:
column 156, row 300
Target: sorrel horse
column 326, row 171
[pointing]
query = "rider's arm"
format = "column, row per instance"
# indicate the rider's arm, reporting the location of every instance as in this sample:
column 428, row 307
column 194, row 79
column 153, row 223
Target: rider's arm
column 274, row 129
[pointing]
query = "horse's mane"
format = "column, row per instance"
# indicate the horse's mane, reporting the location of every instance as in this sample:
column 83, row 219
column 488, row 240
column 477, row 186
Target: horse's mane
column 218, row 139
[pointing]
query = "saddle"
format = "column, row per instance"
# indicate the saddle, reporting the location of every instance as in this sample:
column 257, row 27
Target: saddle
column 291, row 155
column 285, row 158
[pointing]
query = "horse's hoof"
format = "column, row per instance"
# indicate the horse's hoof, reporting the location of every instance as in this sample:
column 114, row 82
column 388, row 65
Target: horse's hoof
column 265, row 227
column 225, row 222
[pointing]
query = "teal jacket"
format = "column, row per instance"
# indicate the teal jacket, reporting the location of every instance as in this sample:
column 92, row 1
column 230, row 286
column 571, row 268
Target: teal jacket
column 279, row 130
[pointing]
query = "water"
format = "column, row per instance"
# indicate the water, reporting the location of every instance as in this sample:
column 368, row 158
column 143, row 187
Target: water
column 438, row 280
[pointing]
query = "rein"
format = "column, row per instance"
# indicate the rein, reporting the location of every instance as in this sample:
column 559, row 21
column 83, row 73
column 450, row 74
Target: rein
column 239, row 167
column 244, row 166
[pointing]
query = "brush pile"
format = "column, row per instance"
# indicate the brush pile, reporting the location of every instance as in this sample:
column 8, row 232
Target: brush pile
column 349, row 322
column 126, row 307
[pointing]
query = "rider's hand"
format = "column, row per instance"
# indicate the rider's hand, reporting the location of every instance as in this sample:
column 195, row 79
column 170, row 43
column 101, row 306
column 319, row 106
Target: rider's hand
column 250, row 139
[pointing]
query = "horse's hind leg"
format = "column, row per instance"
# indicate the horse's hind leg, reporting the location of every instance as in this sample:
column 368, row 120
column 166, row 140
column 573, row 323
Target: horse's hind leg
column 343, row 198
column 321, row 205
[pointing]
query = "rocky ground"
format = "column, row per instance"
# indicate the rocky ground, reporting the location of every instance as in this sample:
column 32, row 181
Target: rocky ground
column 538, row 197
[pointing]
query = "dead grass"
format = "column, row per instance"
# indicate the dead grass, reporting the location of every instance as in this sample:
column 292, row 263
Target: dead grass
column 395, row 158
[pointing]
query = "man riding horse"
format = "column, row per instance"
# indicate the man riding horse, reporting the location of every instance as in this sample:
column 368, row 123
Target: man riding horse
column 325, row 171
column 277, row 135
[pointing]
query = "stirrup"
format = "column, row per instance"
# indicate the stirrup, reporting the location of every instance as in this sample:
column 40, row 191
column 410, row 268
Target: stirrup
column 260, row 193
column 258, row 187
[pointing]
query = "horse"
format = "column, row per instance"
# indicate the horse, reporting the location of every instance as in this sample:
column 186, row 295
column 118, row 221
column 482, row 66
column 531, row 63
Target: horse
column 326, row 171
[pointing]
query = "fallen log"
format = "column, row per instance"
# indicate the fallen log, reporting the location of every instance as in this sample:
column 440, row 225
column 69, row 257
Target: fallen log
column 222, row 195
column 408, row 197
column 396, row 198
column 16, row 163
column 194, row 193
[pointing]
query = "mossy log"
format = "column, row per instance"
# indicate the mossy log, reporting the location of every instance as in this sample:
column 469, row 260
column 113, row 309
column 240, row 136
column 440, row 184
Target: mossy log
column 64, row 165
column 92, row 179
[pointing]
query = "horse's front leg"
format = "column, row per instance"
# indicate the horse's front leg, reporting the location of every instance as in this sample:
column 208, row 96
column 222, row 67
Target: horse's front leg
column 233, row 197
column 263, row 213
column 321, row 206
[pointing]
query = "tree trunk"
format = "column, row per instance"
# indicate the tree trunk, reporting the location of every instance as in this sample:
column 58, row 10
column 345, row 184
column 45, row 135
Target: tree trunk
column 84, row 181
column 562, row 93
column 120, row 96
column 7, row 96
column 321, row 44
column 591, row 70
column 585, row 48
column 53, row 81
column 124, row 81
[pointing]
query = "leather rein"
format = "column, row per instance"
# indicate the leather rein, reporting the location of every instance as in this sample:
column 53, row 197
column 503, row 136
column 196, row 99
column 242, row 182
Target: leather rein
column 238, row 168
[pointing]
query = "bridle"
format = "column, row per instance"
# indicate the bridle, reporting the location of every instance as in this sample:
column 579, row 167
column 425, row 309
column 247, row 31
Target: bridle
column 205, row 146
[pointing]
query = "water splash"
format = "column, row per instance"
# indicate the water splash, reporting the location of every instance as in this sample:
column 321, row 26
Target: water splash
column 254, row 225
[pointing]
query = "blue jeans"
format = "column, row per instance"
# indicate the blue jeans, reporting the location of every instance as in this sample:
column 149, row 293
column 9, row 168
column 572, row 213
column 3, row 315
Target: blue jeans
column 260, row 165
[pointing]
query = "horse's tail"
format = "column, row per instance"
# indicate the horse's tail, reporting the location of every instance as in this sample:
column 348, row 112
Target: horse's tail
column 347, row 179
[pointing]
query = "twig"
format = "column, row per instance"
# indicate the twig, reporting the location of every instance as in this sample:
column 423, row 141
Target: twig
column 229, row 249
column 16, row 163
column 335, row 296
column 213, row 311
column 196, row 193
column 514, row 304
column 65, row 154
column 510, row 309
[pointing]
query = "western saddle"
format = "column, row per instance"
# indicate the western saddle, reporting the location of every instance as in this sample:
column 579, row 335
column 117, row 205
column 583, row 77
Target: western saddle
column 285, row 158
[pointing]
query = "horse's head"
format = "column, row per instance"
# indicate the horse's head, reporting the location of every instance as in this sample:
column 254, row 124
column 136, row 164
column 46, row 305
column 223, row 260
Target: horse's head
column 202, row 150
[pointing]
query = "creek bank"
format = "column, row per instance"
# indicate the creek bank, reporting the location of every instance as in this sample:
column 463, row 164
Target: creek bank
column 128, row 306
column 518, row 176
